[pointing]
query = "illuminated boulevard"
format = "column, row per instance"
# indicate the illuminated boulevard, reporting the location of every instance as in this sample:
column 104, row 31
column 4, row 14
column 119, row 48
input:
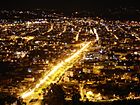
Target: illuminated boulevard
column 55, row 74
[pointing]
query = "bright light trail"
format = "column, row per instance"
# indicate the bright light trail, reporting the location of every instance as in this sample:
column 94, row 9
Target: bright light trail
column 95, row 31
column 65, row 28
column 115, row 36
column 55, row 69
column 77, row 36
column 78, row 52
column 34, row 30
column 51, row 28
column 107, row 28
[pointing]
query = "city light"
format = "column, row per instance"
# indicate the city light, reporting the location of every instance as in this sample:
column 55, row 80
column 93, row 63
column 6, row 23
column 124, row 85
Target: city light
column 45, row 54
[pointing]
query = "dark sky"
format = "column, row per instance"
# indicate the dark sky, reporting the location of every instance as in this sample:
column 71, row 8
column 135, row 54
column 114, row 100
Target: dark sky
column 67, row 4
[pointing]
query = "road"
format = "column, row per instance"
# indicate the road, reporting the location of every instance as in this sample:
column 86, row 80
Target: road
column 55, row 73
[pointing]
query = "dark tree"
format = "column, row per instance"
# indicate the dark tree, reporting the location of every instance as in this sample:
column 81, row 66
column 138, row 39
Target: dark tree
column 55, row 96
column 76, row 98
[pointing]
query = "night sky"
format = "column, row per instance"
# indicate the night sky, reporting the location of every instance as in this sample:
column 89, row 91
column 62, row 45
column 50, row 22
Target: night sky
column 67, row 4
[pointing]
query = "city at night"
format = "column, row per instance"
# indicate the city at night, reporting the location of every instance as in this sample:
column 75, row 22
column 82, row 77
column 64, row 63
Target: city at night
column 69, row 52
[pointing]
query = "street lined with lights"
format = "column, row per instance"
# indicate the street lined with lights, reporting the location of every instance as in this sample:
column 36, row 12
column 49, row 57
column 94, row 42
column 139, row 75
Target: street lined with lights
column 57, row 71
